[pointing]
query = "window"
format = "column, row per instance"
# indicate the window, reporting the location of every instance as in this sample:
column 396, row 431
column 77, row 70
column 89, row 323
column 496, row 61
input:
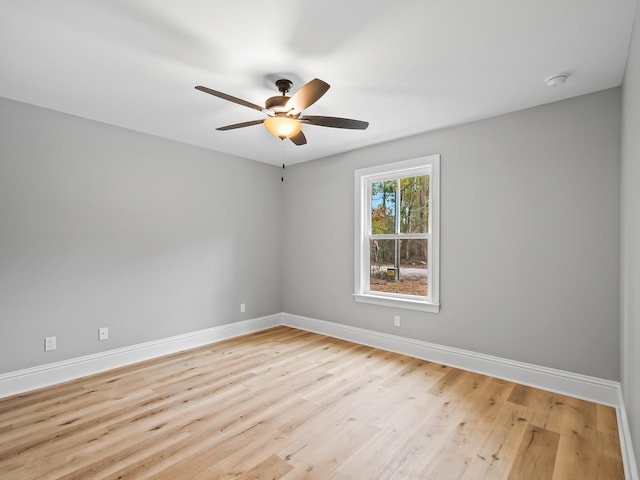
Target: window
column 397, row 216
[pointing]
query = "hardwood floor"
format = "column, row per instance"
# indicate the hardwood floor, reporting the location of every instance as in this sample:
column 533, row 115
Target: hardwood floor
column 288, row 404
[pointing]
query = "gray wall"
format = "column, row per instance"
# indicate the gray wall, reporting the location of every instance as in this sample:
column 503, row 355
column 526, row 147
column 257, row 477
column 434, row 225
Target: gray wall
column 630, row 258
column 101, row 226
column 529, row 237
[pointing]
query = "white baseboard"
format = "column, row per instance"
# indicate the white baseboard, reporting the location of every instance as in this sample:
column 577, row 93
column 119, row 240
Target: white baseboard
column 628, row 455
column 593, row 389
column 567, row 383
column 21, row 381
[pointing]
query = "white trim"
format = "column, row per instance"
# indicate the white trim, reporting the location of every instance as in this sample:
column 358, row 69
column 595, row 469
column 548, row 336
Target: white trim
column 593, row 389
column 628, row 455
column 573, row 384
column 560, row 381
column 389, row 301
column 20, row 381
column 434, row 230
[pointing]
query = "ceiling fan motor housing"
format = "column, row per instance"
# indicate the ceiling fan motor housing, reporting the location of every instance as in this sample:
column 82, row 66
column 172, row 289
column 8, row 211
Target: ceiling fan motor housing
column 277, row 103
column 284, row 85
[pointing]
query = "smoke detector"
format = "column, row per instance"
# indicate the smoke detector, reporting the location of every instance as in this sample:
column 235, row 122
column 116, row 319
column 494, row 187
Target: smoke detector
column 556, row 80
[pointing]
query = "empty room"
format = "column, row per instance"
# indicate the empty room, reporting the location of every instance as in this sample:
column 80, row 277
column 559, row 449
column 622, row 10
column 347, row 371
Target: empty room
column 320, row 240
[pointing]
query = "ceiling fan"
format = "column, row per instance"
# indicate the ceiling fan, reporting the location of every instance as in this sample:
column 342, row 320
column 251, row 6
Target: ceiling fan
column 284, row 113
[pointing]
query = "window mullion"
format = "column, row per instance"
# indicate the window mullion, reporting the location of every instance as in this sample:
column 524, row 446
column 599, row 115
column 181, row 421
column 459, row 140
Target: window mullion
column 401, row 236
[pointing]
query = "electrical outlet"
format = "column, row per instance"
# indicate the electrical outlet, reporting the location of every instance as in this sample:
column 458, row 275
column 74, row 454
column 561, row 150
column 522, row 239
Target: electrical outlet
column 49, row 343
column 103, row 333
column 396, row 320
column 242, row 308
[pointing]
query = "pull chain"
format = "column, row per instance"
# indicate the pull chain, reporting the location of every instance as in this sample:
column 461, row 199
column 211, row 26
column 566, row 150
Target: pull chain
column 282, row 177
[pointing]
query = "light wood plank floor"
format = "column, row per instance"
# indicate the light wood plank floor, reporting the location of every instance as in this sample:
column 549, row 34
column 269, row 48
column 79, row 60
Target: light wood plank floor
column 288, row 404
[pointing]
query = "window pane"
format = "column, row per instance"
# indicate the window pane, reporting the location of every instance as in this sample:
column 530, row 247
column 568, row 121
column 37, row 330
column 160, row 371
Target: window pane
column 383, row 207
column 402, row 270
column 414, row 204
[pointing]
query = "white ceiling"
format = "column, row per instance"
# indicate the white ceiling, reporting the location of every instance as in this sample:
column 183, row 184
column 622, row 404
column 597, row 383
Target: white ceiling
column 406, row 66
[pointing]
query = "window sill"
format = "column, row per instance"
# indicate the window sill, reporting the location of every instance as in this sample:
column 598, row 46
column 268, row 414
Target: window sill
column 397, row 302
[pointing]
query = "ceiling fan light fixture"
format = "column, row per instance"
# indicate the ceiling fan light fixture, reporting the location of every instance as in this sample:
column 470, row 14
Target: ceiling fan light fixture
column 282, row 127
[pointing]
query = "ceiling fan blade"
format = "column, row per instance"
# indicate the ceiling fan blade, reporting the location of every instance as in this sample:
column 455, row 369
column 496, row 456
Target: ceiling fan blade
column 299, row 138
column 335, row 122
column 308, row 94
column 240, row 125
column 231, row 98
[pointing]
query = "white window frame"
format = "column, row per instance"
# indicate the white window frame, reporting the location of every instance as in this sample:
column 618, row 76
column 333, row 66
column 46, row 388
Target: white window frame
column 362, row 180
